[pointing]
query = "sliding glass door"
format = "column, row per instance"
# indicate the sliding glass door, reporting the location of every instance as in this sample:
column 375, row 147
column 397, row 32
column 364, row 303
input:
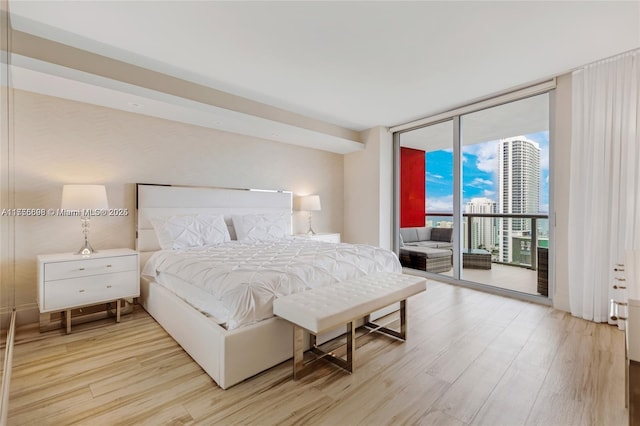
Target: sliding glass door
column 426, row 198
column 475, row 190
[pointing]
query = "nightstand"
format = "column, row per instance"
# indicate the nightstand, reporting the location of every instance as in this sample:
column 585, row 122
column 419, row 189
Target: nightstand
column 328, row 237
column 67, row 281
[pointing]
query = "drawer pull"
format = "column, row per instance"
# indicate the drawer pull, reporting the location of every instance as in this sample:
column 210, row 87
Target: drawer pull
column 81, row 291
column 108, row 286
column 80, row 269
column 108, row 266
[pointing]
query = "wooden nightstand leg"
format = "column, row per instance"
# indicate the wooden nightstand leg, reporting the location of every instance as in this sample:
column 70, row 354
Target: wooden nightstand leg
column 118, row 310
column 68, row 320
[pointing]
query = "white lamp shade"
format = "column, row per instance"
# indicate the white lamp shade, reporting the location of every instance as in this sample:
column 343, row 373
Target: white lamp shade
column 310, row 203
column 78, row 197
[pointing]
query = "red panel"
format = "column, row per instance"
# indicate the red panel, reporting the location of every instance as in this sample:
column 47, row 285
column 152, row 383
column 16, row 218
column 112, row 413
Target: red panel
column 412, row 184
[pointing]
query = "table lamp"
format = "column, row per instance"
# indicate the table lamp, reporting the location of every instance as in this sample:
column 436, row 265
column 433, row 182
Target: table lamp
column 85, row 200
column 310, row 203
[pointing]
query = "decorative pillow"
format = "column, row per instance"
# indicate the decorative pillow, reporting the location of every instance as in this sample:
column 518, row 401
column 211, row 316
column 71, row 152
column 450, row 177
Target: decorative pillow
column 214, row 229
column 261, row 227
column 424, row 233
column 442, row 234
column 180, row 232
column 409, row 235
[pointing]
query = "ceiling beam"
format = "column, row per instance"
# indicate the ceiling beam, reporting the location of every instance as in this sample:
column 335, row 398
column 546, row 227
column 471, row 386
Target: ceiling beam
column 111, row 72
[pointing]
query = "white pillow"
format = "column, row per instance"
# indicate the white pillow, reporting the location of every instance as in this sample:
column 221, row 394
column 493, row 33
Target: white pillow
column 214, row 229
column 180, row 232
column 261, row 227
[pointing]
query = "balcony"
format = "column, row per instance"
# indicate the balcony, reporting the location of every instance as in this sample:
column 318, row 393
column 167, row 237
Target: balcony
column 503, row 276
column 509, row 239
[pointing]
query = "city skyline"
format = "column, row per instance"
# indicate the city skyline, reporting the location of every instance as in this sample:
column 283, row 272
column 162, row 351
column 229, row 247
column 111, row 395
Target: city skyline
column 484, row 232
column 480, row 169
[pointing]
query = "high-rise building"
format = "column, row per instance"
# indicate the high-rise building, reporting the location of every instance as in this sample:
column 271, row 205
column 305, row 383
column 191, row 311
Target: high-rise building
column 519, row 175
column 484, row 230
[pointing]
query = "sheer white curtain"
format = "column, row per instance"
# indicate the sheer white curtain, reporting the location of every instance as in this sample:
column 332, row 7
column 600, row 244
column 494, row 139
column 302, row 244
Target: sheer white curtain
column 604, row 200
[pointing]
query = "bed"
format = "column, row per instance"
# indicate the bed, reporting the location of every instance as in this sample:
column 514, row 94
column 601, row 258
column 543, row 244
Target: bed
column 184, row 287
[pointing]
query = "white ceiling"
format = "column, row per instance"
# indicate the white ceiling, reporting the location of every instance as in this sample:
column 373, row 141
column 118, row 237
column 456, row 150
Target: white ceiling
column 354, row 64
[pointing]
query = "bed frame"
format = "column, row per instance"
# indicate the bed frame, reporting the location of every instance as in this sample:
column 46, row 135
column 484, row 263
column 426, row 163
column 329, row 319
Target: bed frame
column 229, row 357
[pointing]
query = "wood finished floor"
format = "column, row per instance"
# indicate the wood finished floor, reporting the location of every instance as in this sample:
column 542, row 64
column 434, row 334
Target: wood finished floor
column 471, row 358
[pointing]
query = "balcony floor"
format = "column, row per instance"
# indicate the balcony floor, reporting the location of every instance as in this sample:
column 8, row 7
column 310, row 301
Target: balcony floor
column 503, row 276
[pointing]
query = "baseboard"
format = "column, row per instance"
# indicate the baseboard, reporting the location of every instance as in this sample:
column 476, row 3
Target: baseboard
column 27, row 313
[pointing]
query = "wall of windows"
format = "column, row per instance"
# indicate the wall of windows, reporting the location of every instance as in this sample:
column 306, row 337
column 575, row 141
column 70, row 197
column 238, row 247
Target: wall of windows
column 486, row 180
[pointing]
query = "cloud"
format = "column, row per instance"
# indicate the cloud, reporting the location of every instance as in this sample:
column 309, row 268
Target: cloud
column 544, row 157
column 487, row 160
column 471, row 149
column 488, row 193
column 439, row 204
column 486, row 154
column 478, row 182
column 436, row 179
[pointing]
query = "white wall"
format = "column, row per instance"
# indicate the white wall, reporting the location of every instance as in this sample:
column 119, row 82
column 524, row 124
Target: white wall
column 368, row 183
column 59, row 141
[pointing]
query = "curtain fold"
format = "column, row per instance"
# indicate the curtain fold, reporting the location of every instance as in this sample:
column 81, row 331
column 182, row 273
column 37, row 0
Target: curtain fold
column 604, row 197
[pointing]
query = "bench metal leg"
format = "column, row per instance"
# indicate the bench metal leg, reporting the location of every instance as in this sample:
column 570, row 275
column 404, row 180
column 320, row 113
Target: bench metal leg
column 298, row 352
column 351, row 346
column 300, row 369
column 347, row 363
column 402, row 334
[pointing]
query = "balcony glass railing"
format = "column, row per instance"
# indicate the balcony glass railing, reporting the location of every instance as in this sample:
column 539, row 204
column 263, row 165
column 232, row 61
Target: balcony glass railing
column 508, row 237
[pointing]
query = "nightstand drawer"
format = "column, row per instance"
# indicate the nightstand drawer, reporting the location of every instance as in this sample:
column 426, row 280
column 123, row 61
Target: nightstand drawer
column 64, row 294
column 87, row 267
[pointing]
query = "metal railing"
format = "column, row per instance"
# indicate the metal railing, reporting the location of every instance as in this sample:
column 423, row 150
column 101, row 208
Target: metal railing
column 533, row 231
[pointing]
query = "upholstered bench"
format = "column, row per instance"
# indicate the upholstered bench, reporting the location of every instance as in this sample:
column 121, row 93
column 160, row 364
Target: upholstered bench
column 426, row 258
column 326, row 308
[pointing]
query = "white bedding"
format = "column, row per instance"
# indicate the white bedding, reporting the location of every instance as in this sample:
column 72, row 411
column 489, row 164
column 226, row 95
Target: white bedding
column 244, row 277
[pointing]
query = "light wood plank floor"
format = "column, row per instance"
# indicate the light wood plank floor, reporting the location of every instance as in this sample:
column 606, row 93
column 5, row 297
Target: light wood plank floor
column 472, row 358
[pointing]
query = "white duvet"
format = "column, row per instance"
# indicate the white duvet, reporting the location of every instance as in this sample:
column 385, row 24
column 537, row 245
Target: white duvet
column 242, row 279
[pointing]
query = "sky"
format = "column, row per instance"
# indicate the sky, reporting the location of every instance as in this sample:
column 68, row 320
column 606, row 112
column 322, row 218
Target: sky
column 479, row 174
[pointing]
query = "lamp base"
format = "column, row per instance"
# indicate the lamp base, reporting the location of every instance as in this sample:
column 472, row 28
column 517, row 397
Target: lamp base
column 310, row 231
column 86, row 249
